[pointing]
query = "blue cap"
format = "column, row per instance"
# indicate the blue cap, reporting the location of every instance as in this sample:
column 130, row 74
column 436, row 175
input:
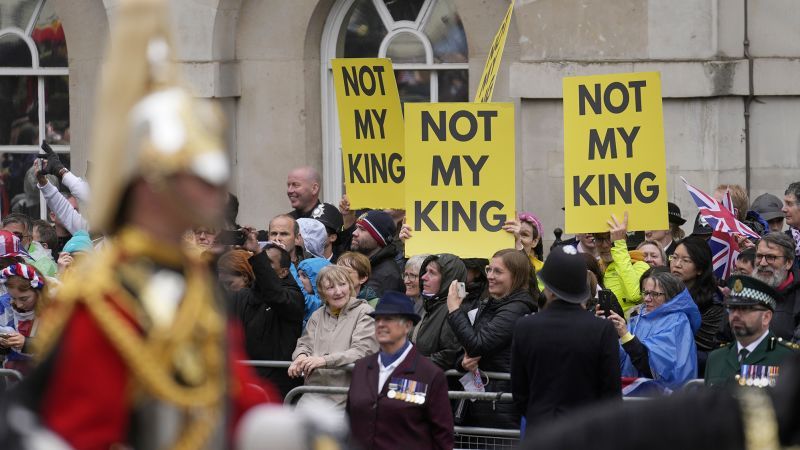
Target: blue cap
column 394, row 303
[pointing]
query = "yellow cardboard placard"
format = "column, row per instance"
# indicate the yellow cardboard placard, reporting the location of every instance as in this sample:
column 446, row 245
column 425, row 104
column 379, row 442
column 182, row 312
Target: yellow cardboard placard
column 486, row 85
column 371, row 125
column 460, row 187
column 614, row 158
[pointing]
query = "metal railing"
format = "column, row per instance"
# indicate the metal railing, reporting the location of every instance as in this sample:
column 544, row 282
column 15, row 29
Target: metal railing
column 10, row 373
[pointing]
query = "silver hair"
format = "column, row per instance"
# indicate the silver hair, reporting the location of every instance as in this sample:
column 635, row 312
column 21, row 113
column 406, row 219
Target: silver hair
column 415, row 262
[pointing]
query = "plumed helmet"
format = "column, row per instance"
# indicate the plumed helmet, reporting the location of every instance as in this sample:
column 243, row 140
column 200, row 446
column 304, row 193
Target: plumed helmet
column 147, row 125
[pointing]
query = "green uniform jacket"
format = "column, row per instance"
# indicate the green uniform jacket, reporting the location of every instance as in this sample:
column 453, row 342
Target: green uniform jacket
column 723, row 363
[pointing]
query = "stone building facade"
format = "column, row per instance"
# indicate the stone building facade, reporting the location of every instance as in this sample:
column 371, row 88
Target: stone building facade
column 266, row 62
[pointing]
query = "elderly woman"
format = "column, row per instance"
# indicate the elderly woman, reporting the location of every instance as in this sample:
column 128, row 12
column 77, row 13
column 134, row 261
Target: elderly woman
column 487, row 341
column 360, row 269
column 18, row 313
column 653, row 253
column 658, row 343
column 337, row 334
column 411, row 281
column 408, row 406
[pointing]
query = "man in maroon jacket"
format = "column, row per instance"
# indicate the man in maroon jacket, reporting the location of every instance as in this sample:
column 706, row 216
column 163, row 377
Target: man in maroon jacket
column 398, row 398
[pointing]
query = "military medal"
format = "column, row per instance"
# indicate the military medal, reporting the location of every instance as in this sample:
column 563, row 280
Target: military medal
column 392, row 394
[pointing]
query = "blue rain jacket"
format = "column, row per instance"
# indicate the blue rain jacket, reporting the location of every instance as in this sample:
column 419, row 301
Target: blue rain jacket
column 311, row 267
column 668, row 333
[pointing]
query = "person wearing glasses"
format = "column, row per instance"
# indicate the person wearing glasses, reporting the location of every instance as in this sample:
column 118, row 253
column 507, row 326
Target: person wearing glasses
column 411, row 281
column 621, row 269
column 691, row 262
column 658, row 342
column 773, row 266
column 486, row 339
column 754, row 358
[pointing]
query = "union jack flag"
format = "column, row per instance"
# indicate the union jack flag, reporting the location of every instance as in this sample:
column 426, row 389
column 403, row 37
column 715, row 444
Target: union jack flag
column 721, row 219
column 724, row 251
column 718, row 216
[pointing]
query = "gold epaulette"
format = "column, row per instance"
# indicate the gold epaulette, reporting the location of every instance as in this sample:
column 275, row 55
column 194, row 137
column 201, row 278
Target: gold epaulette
column 788, row 344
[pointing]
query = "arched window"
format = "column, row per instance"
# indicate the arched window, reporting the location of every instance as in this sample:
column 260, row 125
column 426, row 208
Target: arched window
column 34, row 97
column 426, row 42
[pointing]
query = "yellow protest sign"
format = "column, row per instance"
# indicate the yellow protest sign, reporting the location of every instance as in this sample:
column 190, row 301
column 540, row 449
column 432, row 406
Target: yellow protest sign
column 486, row 85
column 371, row 125
column 614, row 159
column 460, row 186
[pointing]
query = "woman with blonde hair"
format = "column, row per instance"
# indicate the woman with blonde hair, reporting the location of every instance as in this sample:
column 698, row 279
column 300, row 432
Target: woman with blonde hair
column 339, row 333
column 19, row 310
column 360, row 269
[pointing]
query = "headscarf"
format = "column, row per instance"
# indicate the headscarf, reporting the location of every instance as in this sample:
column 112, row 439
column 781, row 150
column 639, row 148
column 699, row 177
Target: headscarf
column 24, row 271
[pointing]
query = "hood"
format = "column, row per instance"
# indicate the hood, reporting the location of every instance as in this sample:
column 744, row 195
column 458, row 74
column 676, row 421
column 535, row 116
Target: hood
column 452, row 268
column 311, row 267
column 314, row 234
column 388, row 252
column 520, row 296
column 354, row 303
column 682, row 303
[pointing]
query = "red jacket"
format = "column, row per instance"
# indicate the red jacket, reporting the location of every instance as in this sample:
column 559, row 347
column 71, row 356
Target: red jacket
column 379, row 422
column 85, row 397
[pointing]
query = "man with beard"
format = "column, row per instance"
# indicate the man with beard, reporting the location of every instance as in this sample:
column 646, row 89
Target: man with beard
column 773, row 266
column 755, row 356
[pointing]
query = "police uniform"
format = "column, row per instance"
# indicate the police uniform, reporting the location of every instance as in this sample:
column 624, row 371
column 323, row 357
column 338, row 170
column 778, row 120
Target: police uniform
column 135, row 350
column 761, row 367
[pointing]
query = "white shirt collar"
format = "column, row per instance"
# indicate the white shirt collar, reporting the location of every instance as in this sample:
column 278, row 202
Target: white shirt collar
column 750, row 348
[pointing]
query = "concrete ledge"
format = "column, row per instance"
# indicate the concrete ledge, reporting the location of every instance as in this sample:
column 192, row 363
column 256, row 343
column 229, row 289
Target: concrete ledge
column 214, row 79
column 680, row 79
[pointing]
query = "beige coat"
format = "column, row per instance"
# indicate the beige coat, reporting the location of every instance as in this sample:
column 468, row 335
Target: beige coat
column 340, row 341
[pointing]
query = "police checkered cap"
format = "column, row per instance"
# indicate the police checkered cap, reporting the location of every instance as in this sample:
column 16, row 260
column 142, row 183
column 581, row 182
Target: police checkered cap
column 748, row 291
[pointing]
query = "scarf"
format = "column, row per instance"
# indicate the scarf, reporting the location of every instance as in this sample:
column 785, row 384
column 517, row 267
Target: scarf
column 796, row 236
column 388, row 358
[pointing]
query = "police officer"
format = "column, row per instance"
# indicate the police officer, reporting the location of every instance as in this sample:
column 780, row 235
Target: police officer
column 754, row 357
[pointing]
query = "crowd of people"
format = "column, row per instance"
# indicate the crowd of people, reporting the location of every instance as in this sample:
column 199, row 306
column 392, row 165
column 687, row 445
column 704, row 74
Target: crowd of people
column 306, row 290
column 317, row 287
column 139, row 330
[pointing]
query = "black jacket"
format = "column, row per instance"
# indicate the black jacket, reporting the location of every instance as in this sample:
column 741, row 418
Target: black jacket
column 271, row 313
column 433, row 336
column 693, row 420
column 386, row 274
column 562, row 359
column 490, row 338
column 786, row 320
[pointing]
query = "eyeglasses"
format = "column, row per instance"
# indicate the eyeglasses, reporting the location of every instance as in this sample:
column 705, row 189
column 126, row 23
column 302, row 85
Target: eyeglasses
column 678, row 259
column 652, row 294
column 602, row 240
column 410, row 276
column 493, row 270
column 744, row 308
column 770, row 258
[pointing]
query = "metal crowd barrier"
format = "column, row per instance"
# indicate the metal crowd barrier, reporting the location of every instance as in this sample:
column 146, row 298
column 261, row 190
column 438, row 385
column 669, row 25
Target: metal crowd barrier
column 10, row 373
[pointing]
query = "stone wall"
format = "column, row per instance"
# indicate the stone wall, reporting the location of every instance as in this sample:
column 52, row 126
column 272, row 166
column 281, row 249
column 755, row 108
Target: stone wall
column 261, row 58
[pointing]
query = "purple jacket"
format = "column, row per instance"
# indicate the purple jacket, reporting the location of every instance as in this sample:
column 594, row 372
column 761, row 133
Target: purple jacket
column 379, row 422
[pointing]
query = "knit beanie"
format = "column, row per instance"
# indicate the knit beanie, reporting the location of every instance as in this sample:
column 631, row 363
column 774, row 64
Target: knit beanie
column 379, row 225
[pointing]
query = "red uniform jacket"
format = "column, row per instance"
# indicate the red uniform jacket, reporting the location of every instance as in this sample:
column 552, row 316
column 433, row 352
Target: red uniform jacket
column 380, row 422
column 85, row 398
